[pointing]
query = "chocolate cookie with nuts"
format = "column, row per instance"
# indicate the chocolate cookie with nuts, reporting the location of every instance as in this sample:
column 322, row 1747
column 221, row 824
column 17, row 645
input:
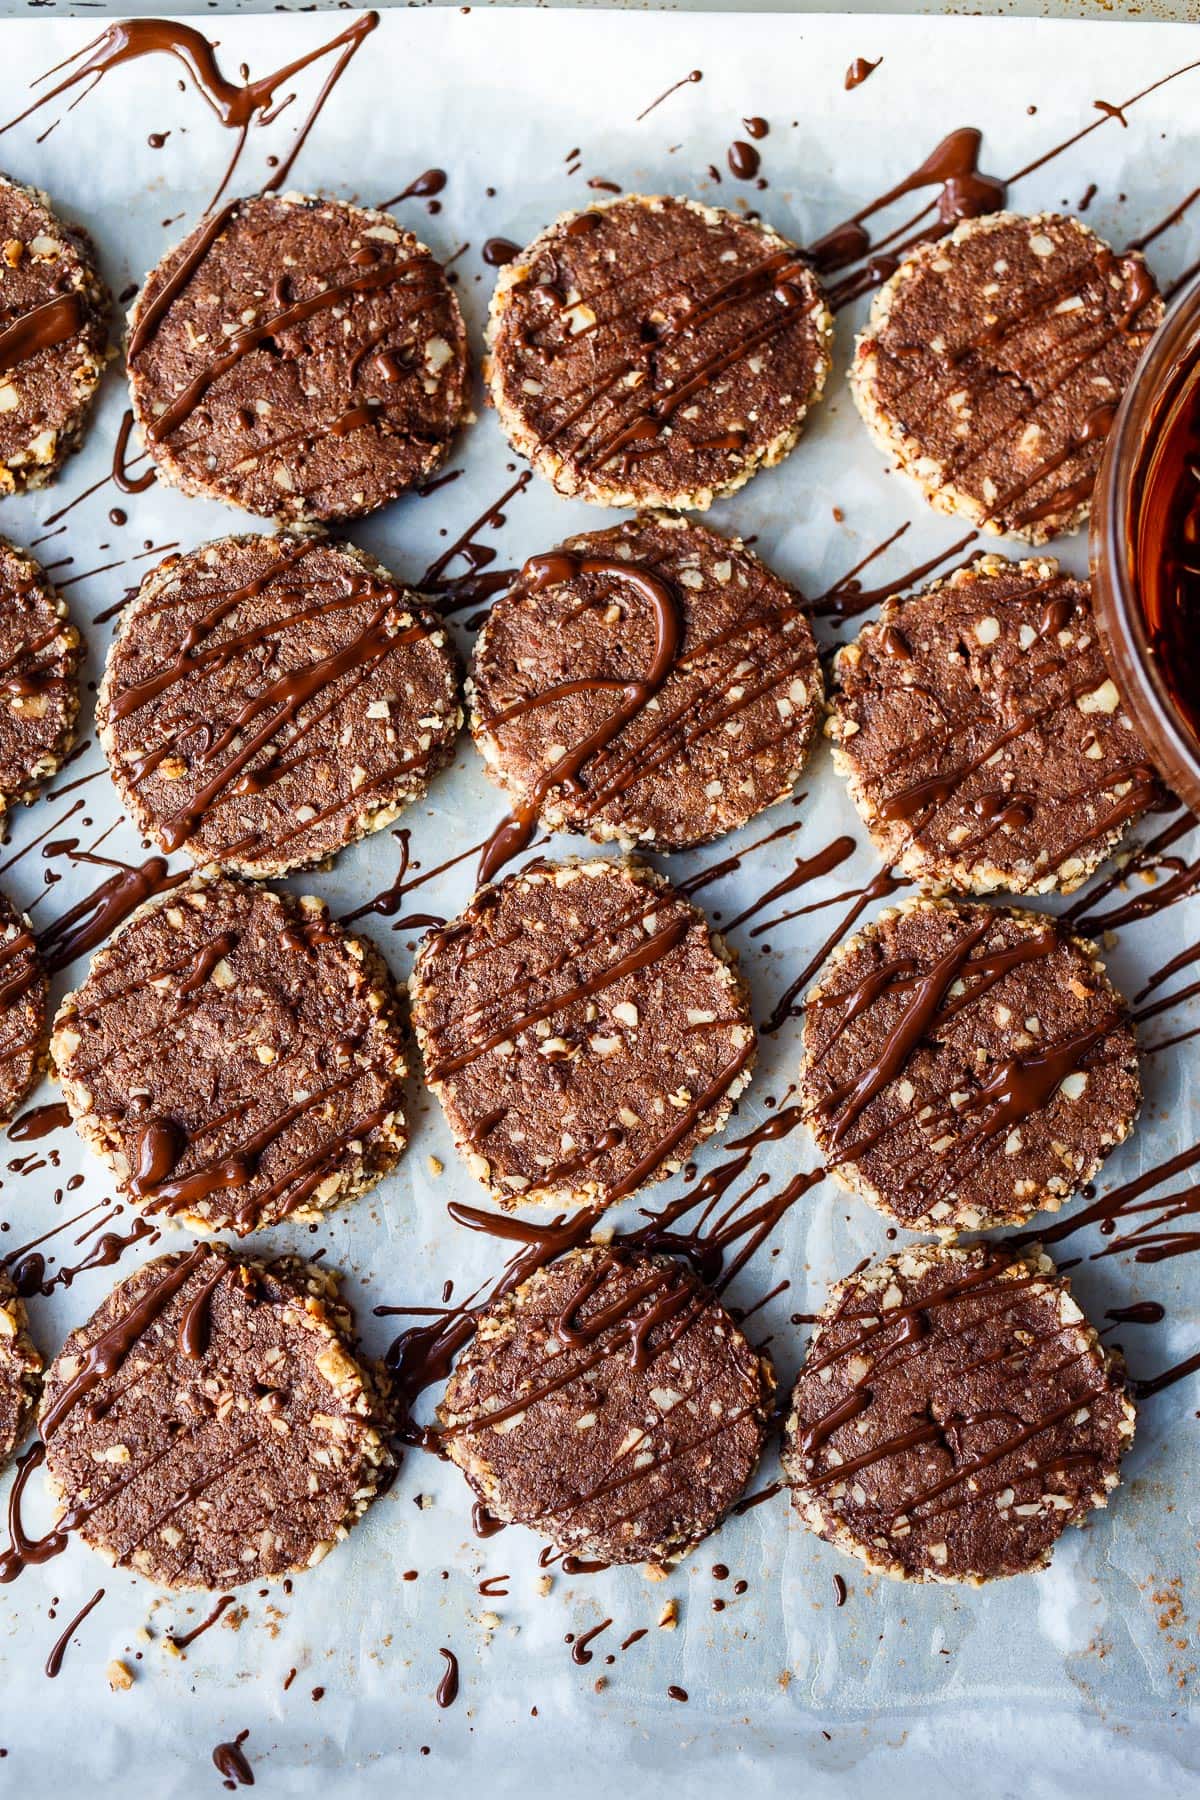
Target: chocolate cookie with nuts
column 40, row 652
column 965, row 1066
column 654, row 683
column 650, row 351
column 235, row 1057
column 211, row 1424
column 20, row 1372
column 268, row 700
column 24, row 998
column 994, row 360
column 983, row 739
column 298, row 357
column 955, row 1413
column 611, row 1404
column 54, row 318
column 583, row 1030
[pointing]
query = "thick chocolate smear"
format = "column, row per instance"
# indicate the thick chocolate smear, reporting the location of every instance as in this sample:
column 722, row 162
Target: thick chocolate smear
column 210, row 1424
column 300, row 358
column 956, row 1411
column 54, row 319
column 730, row 723
column 965, row 1066
column 269, row 699
column 653, row 351
column 581, row 1030
column 236, row 1057
column 993, row 363
column 984, row 741
column 611, row 1404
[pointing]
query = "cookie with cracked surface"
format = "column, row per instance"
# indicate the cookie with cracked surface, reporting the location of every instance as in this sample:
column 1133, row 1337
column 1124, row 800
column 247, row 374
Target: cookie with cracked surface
column 24, row 997
column 611, row 1404
column 55, row 312
column 955, row 1413
column 20, row 1372
column 235, row 1057
column 966, row 1066
column 211, row 1424
column 299, row 357
column 653, row 682
column 40, row 653
column 583, row 1030
column 983, row 739
column 992, row 364
column 650, row 351
column 268, row 700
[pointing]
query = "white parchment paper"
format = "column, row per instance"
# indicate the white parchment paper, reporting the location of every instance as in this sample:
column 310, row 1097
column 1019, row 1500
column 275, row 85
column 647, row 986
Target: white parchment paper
column 781, row 1677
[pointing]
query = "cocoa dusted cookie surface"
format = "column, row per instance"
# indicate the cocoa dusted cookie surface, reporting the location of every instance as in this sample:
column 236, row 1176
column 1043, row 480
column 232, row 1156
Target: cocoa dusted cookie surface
column 984, row 741
column 20, row 1372
column 611, row 1404
column 583, row 1030
column 966, row 1066
column 211, row 1424
column 235, row 1057
column 268, row 700
column 955, row 1413
column 654, row 683
column 298, row 357
column 54, row 318
column 24, row 997
column 994, row 360
column 651, row 351
column 40, row 653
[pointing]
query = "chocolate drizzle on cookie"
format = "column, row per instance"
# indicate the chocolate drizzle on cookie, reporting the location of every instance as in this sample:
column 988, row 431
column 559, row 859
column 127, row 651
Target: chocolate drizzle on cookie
column 654, row 610
column 614, row 393
column 604, row 1446
column 965, row 1067
column 955, row 1412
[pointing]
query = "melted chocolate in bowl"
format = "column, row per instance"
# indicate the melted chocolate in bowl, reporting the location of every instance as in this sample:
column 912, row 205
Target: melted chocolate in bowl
column 1145, row 548
column 1168, row 545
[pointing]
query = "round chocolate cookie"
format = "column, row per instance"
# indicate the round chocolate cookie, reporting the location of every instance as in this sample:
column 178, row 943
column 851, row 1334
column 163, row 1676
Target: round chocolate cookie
column 955, row 1413
column 993, row 362
column 610, row 1403
column 210, row 1424
column 965, row 1066
column 583, row 1030
column 54, row 318
column 269, row 699
column 655, row 352
column 983, row 740
column 20, row 1371
column 24, row 994
column 40, row 652
column 652, row 682
column 301, row 358
column 235, row 1057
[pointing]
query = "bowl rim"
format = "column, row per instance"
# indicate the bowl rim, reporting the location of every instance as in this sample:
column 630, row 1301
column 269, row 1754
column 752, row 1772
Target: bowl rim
column 1168, row 361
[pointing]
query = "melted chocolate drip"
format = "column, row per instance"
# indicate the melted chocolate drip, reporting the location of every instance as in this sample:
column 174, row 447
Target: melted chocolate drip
column 47, row 325
column 39, row 1122
column 859, row 71
column 693, row 76
column 54, row 1661
column 181, row 1640
column 447, row 1689
column 237, row 105
column 229, row 1760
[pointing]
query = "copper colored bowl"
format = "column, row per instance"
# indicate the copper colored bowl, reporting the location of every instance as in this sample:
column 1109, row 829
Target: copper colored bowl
column 1165, row 380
